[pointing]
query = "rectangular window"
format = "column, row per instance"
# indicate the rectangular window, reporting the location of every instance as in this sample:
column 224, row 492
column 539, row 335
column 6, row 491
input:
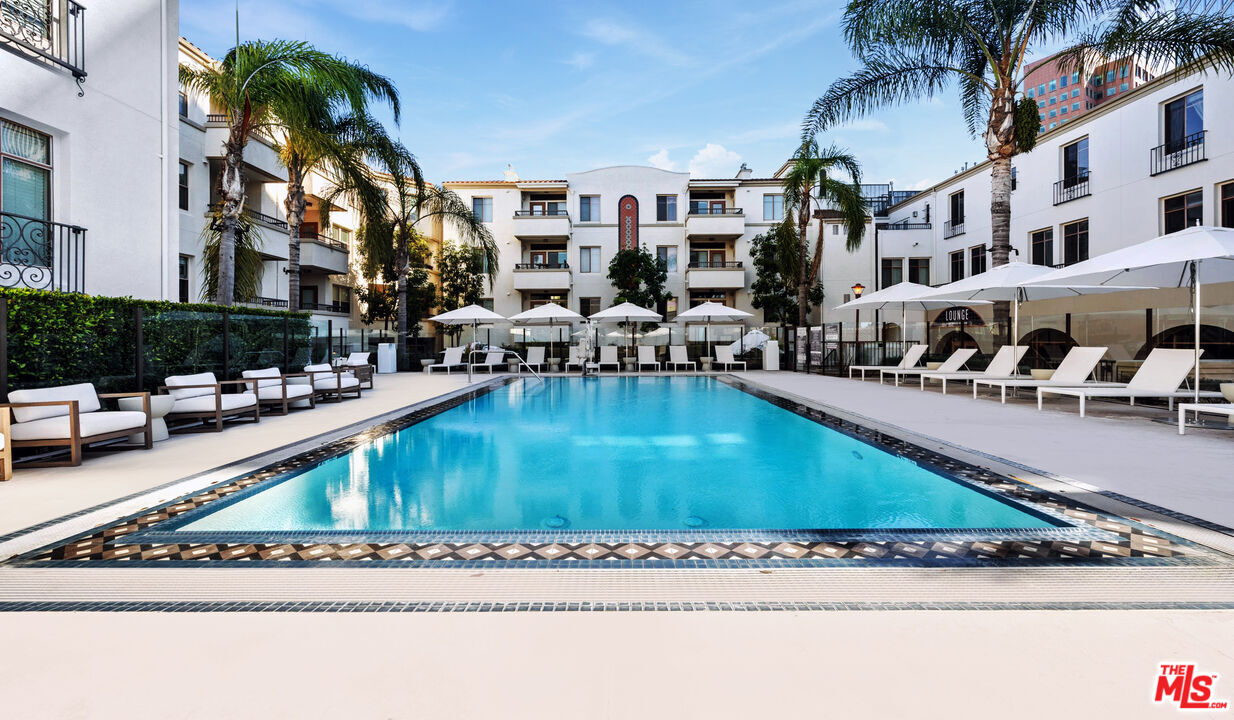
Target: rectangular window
column 1063, row 110
column 1109, row 76
column 1227, row 205
column 976, row 259
column 184, row 105
column 773, row 207
column 482, row 208
column 1075, row 93
column 1062, row 81
column 1183, row 120
column 1041, row 89
column 893, row 271
column 341, row 297
column 589, row 208
column 1075, row 162
column 1111, row 91
column 1075, row 242
column 487, row 304
column 919, row 271
column 1182, row 211
column 1053, row 101
column 25, row 173
column 1075, row 107
column 1075, row 78
column 666, row 208
column 184, row 278
column 1041, row 247
column 589, row 260
column 1031, row 92
column 1053, row 113
column 588, row 306
column 184, row 186
column 957, row 208
column 668, row 253
column 957, row 265
column 1123, row 87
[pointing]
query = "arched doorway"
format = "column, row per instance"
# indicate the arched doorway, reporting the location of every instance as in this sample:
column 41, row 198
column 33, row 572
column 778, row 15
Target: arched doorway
column 952, row 341
column 1046, row 347
column 891, row 332
column 1217, row 342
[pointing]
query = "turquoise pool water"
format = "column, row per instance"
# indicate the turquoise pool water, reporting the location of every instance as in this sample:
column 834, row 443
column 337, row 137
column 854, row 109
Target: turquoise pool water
column 616, row 454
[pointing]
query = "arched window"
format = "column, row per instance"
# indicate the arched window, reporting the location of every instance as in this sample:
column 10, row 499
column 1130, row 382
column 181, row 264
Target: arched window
column 1217, row 342
column 952, row 341
column 1046, row 347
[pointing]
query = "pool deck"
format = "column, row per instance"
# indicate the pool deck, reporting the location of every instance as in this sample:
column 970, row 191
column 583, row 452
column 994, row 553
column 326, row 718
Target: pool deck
column 1099, row 662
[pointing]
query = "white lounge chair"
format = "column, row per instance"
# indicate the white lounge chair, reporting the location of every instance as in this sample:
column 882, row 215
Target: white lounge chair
column 200, row 397
column 494, row 359
column 69, row 416
column 1226, row 409
column 1075, row 369
column 608, row 356
column 328, row 381
column 1002, row 365
column 1161, row 376
column 575, row 358
column 274, row 391
column 453, row 358
column 950, row 365
column 647, row 356
column 535, row 358
column 724, row 356
column 359, row 366
column 912, row 356
column 677, row 357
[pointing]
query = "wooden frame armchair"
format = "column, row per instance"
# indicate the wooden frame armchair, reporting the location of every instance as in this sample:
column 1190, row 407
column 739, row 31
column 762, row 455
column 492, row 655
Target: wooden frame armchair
column 330, row 381
column 200, row 397
column 274, row 392
column 71, row 416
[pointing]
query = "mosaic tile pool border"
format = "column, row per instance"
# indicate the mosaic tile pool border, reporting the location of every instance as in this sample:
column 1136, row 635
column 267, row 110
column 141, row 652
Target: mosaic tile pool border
column 1092, row 537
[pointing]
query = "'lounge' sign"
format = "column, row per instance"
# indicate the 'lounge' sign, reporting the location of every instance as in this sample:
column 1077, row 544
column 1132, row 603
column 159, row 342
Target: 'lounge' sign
column 959, row 316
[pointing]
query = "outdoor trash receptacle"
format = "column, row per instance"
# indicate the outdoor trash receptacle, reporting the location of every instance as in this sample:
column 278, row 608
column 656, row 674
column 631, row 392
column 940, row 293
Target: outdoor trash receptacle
column 387, row 359
column 771, row 355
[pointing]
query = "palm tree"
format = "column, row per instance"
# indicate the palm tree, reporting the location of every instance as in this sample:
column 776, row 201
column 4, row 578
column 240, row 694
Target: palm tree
column 246, row 86
column 388, row 234
column 913, row 49
column 317, row 137
column 812, row 177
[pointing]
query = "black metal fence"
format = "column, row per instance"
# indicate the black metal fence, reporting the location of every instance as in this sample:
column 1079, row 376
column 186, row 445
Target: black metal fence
column 1072, row 187
column 51, row 32
column 1177, row 153
column 40, row 254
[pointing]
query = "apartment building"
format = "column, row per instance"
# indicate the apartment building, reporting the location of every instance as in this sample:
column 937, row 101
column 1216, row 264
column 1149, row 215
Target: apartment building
column 1063, row 95
column 1145, row 163
column 87, row 146
column 557, row 237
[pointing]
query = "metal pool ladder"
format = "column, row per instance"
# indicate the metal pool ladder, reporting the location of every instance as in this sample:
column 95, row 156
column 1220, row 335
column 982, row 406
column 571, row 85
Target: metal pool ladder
column 523, row 363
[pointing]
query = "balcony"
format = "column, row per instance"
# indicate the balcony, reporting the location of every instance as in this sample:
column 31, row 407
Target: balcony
column 257, row 301
column 715, row 276
column 1072, row 188
column 340, row 308
column 41, row 255
column 1177, row 153
column 542, row 276
column 261, row 161
column 705, row 222
column 904, row 225
column 542, row 224
column 323, row 254
column 43, row 32
column 952, row 229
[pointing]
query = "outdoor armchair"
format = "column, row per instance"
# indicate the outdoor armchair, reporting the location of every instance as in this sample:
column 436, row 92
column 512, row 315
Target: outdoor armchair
column 71, row 416
column 200, row 398
column 360, row 367
column 275, row 392
column 333, row 382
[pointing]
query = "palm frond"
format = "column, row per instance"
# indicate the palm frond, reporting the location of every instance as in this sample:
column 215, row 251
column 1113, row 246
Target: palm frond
column 249, row 264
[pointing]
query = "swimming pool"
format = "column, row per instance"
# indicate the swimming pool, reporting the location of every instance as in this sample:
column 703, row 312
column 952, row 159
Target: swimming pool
column 615, row 454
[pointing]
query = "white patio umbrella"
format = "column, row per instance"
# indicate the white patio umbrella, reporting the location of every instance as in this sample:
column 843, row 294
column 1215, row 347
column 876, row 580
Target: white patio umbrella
column 626, row 312
column 1187, row 258
column 902, row 295
column 709, row 311
column 550, row 314
column 750, row 341
column 473, row 314
column 1008, row 282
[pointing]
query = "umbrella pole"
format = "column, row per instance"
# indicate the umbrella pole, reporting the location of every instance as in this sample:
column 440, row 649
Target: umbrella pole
column 1195, row 295
column 471, row 351
column 1015, row 333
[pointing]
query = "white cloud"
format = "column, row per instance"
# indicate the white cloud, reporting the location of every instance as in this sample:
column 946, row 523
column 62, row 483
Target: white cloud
column 611, row 32
column 863, row 124
column 925, row 184
column 661, row 160
column 714, row 161
column 418, row 16
column 581, row 60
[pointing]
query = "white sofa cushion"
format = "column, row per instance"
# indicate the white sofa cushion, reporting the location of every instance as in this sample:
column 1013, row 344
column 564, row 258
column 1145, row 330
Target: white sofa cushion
column 95, row 423
column 344, row 382
column 206, row 378
column 230, row 401
column 276, row 392
column 84, row 393
column 269, row 377
column 319, row 371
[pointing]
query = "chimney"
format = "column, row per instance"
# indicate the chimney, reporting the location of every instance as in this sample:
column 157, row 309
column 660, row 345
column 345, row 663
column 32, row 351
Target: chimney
column 744, row 173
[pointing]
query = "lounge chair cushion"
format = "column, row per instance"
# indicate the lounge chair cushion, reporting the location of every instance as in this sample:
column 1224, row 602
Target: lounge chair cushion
column 93, row 423
column 269, row 377
column 206, row 378
column 276, row 392
column 358, row 359
column 344, row 382
column 84, row 393
column 228, row 401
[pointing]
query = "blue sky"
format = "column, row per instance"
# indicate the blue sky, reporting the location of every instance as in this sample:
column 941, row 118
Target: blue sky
column 551, row 88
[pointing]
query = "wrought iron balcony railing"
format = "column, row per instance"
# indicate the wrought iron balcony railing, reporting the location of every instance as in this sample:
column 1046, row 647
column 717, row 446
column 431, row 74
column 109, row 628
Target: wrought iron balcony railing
column 714, row 264
column 316, row 237
column 267, row 302
column 336, row 307
column 552, row 212
column 41, row 255
column 259, row 217
column 1177, row 153
column 905, row 225
column 47, row 32
column 701, row 210
column 543, row 266
column 1071, row 188
column 216, row 119
column 951, row 229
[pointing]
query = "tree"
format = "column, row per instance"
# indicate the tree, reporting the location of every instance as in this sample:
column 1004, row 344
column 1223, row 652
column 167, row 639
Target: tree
column 246, row 255
column 461, row 269
column 913, row 50
column 812, row 178
column 245, row 87
column 380, row 304
column 319, row 134
column 639, row 277
column 774, row 290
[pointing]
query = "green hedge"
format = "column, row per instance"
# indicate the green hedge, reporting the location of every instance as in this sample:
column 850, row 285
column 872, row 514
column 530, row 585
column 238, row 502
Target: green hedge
column 59, row 338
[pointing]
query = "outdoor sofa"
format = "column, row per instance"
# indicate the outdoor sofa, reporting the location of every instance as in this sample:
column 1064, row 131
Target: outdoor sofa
column 70, row 416
column 200, row 398
column 329, row 381
column 275, row 392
